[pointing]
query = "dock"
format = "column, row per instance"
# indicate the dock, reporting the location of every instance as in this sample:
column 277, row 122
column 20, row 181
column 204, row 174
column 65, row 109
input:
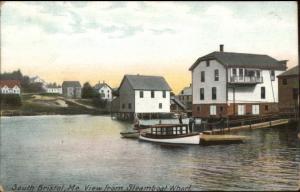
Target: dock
column 250, row 126
column 206, row 139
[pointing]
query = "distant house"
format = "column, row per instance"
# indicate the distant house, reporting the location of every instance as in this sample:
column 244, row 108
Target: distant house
column 235, row 84
column 37, row 79
column 104, row 90
column 185, row 97
column 288, row 90
column 71, row 89
column 143, row 94
column 53, row 88
column 10, row 87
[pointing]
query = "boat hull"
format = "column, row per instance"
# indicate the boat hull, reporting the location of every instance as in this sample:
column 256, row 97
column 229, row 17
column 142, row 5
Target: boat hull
column 193, row 139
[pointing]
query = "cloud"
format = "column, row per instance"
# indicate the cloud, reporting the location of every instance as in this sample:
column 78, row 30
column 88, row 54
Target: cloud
column 162, row 31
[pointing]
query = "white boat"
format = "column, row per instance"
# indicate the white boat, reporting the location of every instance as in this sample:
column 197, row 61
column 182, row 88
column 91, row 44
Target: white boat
column 173, row 134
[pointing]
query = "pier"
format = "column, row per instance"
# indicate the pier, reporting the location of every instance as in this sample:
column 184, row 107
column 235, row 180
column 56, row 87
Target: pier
column 266, row 121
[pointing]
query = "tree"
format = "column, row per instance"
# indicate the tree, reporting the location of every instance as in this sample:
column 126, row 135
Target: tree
column 88, row 91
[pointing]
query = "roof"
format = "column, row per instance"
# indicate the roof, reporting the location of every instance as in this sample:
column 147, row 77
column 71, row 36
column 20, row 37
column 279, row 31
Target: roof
column 143, row 82
column 290, row 72
column 100, row 85
column 10, row 83
column 71, row 84
column 53, row 86
column 177, row 102
column 246, row 60
column 186, row 91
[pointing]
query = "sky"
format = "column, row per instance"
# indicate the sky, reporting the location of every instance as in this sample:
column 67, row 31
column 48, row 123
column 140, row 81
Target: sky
column 102, row 41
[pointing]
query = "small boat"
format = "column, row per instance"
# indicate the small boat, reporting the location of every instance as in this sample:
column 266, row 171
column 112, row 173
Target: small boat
column 172, row 134
column 130, row 134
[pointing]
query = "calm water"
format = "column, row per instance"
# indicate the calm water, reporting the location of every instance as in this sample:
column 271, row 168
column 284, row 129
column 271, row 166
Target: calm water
column 87, row 150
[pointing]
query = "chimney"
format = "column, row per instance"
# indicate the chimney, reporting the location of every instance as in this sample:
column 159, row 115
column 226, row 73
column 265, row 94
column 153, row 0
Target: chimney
column 221, row 48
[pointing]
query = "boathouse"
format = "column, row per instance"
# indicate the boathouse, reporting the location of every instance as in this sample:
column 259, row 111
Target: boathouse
column 288, row 90
column 235, row 84
column 143, row 95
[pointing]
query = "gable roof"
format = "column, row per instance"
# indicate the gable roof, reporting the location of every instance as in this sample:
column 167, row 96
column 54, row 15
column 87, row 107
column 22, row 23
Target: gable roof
column 143, row 82
column 290, row 72
column 10, row 83
column 71, row 84
column 100, row 85
column 229, row 59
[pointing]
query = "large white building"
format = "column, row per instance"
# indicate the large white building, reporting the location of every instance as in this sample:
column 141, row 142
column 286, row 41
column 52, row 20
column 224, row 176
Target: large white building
column 10, row 87
column 144, row 94
column 104, row 90
column 53, row 88
column 225, row 83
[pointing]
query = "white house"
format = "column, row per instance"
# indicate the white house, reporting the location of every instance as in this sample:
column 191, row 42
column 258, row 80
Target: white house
column 53, row 88
column 144, row 94
column 10, row 87
column 37, row 79
column 104, row 90
column 226, row 83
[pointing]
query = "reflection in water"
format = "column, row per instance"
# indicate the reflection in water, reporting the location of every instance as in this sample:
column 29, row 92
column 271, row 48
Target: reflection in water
column 89, row 150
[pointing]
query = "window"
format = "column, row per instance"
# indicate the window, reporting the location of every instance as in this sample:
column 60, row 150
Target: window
column 164, row 94
column 214, row 93
column 212, row 110
column 221, row 109
column 241, row 110
column 141, row 94
column 266, row 107
column 258, row 73
column 241, row 72
column 263, row 92
column 216, row 75
column 152, row 94
column 123, row 106
column 202, row 76
column 198, row 108
column 201, row 93
column 207, row 63
column 234, row 72
column 284, row 81
column 129, row 105
column 272, row 75
column 160, row 105
column 295, row 93
column 255, row 109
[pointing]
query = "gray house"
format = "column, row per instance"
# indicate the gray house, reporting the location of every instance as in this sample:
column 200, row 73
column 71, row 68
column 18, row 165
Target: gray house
column 71, row 89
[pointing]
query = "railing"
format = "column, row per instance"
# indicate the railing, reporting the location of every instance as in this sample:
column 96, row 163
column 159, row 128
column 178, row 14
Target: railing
column 245, row 79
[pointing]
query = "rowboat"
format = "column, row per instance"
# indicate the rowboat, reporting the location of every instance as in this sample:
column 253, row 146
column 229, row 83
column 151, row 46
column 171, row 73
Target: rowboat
column 172, row 134
column 130, row 134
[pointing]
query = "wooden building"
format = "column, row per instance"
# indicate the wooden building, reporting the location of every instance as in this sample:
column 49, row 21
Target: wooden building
column 288, row 90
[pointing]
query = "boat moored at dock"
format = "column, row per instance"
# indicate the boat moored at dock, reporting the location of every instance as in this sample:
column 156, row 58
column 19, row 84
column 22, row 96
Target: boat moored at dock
column 172, row 134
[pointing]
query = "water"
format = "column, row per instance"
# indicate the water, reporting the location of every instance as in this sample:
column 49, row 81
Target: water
column 87, row 150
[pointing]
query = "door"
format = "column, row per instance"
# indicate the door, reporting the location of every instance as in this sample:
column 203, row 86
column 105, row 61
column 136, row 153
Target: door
column 241, row 109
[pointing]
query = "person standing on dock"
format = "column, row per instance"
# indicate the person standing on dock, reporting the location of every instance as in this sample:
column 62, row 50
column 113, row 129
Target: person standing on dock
column 180, row 119
column 191, row 123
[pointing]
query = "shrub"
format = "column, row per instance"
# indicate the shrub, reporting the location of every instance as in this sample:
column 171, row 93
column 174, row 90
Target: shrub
column 13, row 100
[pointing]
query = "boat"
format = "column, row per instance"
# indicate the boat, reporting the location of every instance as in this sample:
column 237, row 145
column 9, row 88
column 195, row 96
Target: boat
column 169, row 133
column 130, row 134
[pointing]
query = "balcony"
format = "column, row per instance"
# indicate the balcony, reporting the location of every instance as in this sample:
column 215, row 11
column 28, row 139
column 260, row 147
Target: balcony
column 245, row 80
